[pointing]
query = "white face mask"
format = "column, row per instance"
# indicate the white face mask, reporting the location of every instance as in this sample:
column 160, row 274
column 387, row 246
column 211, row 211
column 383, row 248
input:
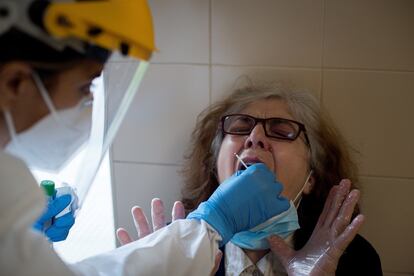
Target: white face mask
column 52, row 141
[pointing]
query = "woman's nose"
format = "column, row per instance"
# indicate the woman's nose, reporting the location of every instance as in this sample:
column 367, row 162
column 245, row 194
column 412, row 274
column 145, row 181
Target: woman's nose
column 257, row 138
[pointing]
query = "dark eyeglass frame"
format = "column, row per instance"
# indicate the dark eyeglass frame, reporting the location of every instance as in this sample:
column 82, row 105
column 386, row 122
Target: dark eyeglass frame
column 301, row 127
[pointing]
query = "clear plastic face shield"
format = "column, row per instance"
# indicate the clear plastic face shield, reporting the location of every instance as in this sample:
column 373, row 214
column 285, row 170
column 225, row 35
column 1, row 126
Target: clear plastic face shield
column 113, row 93
column 69, row 145
column 119, row 83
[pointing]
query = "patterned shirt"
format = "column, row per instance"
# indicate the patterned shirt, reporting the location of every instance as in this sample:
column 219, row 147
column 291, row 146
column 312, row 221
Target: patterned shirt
column 237, row 263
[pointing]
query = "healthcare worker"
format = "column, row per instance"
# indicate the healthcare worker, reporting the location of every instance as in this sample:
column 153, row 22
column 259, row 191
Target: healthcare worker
column 50, row 53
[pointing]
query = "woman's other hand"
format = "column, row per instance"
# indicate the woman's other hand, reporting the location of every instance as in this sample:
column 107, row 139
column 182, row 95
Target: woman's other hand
column 158, row 220
column 331, row 236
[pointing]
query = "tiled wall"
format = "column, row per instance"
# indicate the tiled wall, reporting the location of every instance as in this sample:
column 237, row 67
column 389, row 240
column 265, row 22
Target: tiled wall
column 356, row 56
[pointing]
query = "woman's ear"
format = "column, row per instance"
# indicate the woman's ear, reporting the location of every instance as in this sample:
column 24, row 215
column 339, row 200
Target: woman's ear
column 309, row 184
column 15, row 79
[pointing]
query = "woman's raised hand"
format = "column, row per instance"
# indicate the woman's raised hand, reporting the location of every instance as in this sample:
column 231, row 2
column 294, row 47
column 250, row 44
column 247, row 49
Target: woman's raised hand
column 158, row 221
column 331, row 236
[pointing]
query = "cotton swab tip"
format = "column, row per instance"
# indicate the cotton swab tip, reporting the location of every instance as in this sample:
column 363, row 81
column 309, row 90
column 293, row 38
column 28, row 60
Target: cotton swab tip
column 241, row 161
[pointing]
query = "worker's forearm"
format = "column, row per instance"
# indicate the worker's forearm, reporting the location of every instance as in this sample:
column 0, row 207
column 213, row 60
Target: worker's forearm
column 182, row 248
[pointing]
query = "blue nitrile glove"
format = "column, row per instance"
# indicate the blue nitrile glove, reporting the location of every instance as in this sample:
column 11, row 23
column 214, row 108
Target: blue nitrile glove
column 243, row 201
column 60, row 227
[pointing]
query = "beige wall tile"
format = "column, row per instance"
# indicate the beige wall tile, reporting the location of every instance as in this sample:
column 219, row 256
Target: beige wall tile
column 137, row 184
column 375, row 34
column 375, row 112
column 227, row 78
column 267, row 32
column 181, row 30
column 389, row 225
column 158, row 125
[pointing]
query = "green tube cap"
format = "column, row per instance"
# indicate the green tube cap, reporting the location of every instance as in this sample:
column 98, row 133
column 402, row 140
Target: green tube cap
column 48, row 186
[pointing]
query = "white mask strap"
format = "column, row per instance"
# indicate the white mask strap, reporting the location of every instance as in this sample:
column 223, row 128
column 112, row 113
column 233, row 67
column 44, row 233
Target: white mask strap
column 303, row 187
column 43, row 91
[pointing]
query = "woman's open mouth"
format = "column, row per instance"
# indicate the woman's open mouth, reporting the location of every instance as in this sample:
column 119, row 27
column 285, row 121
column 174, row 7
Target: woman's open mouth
column 246, row 162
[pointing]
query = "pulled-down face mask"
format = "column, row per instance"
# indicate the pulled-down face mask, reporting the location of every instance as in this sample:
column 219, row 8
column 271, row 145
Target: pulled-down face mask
column 282, row 225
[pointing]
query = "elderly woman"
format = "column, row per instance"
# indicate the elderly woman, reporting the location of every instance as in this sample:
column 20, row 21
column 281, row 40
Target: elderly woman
column 290, row 133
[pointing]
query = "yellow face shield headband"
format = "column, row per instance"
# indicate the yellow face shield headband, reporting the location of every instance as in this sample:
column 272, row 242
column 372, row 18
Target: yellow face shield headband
column 122, row 25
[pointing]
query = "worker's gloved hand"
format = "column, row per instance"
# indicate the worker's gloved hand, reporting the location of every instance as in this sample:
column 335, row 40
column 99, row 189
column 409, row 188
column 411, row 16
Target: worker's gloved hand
column 56, row 228
column 331, row 236
column 243, row 201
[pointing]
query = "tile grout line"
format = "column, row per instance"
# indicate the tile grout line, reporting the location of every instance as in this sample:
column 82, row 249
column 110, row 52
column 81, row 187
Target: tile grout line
column 114, row 191
column 288, row 67
column 387, row 177
column 322, row 52
column 210, row 52
column 267, row 66
column 368, row 70
column 147, row 163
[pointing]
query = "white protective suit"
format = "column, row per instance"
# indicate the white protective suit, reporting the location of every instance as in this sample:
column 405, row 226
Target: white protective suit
column 185, row 247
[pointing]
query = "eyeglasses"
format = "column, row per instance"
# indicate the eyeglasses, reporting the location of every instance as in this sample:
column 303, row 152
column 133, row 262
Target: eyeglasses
column 280, row 128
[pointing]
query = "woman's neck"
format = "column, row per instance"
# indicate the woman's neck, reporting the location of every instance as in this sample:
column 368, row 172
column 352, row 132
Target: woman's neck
column 255, row 255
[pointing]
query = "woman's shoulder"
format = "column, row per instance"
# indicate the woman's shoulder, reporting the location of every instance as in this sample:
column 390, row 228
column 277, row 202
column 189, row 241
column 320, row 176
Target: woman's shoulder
column 359, row 258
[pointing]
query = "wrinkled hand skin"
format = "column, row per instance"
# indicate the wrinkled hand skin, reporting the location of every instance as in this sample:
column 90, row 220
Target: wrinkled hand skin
column 331, row 236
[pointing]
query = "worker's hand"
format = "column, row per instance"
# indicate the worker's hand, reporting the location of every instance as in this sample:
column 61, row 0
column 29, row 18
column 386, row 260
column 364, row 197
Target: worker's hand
column 56, row 229
column 243, row 201
column 158, row 220
column 331, row 236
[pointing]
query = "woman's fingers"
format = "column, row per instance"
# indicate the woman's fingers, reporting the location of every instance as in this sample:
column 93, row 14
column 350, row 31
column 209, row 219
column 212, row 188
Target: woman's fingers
column 178, row 211
column 123, row 236
column 326, row 207
column 337, row 201
column 349, row 233
column 345, row 213
column 141, row 222
column 157, row 214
